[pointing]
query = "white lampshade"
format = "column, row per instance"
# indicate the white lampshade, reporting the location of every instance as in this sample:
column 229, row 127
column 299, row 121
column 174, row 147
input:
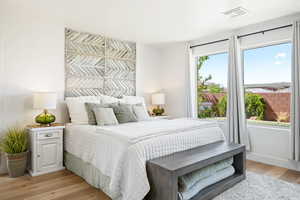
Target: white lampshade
column 44, row 100
column 158, row 99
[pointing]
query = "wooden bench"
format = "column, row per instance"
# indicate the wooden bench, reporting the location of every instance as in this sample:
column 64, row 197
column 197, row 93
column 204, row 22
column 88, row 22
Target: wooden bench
column 163, row 172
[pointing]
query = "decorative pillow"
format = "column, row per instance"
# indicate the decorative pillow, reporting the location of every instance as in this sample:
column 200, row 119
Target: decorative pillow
column 105, row 116
column 140, row 112
column 90, row 107
column 108, row 99
column 77, row 110
column 124, row 113
column 134, row 100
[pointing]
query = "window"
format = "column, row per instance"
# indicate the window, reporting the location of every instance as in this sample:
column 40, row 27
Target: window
column 267, row 83
column 212, row 85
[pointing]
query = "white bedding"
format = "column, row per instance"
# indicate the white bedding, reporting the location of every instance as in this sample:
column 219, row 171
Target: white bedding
column 135, row 132
column 121, row 151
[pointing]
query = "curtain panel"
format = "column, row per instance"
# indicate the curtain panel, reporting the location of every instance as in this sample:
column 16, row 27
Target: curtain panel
column 295, row 100
column 191, row 83
column 236, row 117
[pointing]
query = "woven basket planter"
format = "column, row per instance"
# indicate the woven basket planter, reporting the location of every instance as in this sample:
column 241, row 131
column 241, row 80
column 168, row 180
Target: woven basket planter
column 16, row 164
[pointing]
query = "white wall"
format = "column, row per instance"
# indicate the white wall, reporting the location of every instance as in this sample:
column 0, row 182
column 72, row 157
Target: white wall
column 2, row 165
column 173, row 75
column 148, row 78
column 271, row 145
column 32, row 59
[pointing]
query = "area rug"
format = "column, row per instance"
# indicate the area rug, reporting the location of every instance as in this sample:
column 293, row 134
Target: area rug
column 261, row 187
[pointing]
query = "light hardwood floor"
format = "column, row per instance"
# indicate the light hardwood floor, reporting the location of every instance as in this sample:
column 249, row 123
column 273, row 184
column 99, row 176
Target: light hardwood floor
column 64, row 185
column 276, row 172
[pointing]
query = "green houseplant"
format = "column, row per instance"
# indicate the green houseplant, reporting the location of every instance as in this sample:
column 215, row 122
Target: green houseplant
column 254, row 104
column 15, row 146
column 222, row 106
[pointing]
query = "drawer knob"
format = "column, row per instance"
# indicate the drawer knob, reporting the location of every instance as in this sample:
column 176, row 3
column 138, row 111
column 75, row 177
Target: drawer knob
column 48, row 135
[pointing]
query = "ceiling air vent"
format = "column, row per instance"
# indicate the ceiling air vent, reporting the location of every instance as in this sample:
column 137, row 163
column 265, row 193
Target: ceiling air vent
column 235, row 12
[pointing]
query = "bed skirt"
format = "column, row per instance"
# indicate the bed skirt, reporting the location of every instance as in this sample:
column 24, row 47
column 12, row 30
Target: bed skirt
column 89, row 173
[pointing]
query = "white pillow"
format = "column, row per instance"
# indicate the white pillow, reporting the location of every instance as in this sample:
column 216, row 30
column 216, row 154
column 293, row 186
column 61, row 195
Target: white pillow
column 105, row 116
column 135, row 100
column 77, row 110
column 140, row 113
column 109, row 99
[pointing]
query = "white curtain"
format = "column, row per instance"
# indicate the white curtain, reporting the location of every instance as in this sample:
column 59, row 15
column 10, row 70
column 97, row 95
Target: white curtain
column 236, row 119
column 191, row 84
column 295, row 100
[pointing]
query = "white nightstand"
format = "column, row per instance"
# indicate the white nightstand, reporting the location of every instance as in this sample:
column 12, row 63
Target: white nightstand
column 46, row 148
column 161, row 117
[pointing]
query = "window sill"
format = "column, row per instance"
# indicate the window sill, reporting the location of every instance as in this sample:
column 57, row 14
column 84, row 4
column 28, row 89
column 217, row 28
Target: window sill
column 260, row 123
column 269, row 124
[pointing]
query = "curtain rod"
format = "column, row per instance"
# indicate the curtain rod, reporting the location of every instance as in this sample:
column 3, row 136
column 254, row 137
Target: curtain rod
column 245, row 35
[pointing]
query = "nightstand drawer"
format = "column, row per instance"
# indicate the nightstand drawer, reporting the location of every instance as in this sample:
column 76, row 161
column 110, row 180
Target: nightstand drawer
column 48, row 135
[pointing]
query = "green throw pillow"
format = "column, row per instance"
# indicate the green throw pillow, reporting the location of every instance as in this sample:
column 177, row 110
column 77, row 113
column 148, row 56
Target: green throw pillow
column 124, row 113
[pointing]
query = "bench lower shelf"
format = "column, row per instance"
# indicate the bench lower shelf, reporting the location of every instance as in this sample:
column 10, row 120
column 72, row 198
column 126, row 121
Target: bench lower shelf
column 219, row 187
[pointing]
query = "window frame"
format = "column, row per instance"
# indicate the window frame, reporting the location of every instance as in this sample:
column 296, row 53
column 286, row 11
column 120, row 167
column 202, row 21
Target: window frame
column 209, row 54
column 196, row 89
column 243, row 49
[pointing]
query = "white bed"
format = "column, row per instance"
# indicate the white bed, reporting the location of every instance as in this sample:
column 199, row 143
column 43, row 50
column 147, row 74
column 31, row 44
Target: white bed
column 120, row 152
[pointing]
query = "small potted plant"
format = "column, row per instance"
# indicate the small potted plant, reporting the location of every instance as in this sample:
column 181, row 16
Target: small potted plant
column 15, row 146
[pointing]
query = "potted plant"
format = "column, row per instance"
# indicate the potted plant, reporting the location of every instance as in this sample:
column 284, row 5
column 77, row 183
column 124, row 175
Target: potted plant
column 15, row 146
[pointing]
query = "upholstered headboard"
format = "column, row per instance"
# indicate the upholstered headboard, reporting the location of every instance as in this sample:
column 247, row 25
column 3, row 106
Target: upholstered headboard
column 95, row 65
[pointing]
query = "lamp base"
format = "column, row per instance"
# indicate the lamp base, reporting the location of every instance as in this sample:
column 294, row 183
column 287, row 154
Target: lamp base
column 158, row 111
column 45, row 118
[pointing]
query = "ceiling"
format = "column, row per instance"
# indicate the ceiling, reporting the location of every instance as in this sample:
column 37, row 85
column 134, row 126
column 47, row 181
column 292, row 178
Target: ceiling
column 158, row 21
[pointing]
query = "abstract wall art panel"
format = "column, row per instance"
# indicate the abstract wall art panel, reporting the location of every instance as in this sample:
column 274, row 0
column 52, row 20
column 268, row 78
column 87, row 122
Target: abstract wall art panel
column 96, row 65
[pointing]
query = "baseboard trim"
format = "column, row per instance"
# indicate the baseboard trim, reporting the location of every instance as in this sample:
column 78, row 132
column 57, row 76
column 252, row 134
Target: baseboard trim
column 285, row 163
column 44, row 172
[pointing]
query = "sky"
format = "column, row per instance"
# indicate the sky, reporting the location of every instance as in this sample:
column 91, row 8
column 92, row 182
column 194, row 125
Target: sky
column 261, row 65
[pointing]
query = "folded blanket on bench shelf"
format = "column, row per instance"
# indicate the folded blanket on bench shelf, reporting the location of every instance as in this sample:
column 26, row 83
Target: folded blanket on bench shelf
column 203, row 183
column 189, row 180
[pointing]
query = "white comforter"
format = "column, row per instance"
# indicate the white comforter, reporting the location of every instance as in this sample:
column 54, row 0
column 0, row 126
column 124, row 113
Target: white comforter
column 121, row 151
